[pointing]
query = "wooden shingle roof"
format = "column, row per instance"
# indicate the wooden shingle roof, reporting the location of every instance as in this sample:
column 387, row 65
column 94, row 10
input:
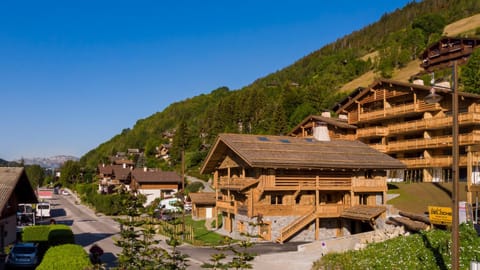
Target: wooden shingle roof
column 15, row 180
column 202, row 198
column 262, row 151
column 146, row 176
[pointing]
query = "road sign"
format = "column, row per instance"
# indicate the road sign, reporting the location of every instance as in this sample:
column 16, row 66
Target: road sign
column 440, row 215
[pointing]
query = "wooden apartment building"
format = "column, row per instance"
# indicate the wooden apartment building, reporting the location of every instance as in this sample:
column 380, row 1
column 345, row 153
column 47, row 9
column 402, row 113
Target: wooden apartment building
column 296, row 188
column 394, row 118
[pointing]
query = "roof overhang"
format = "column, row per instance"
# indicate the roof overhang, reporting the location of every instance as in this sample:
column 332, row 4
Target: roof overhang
column 363, row 212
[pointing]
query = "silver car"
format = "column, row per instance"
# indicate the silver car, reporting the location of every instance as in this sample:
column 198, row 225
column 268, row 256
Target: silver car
column 23, row 254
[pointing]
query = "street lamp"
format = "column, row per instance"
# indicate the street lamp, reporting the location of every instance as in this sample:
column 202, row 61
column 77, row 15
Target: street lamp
column 434, row 98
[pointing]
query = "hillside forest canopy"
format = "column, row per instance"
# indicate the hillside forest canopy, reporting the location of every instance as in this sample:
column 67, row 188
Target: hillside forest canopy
column 277, row 102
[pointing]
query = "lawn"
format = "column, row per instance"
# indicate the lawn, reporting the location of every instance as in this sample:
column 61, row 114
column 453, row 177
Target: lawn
column 416, row 197
column 203, row 236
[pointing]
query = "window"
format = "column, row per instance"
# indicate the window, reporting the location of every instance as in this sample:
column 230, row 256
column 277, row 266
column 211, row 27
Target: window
column 369, row 174
column 363, row 199
column 276, row 199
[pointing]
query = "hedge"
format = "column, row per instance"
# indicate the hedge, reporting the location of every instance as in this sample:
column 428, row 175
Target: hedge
column 52, row 234
column 47, row 236
column 68, row 256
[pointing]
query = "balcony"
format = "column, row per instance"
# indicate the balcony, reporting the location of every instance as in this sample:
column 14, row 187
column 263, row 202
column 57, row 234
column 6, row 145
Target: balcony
column 435, row 142
column 372, row 132
column 432, row 123
column 236, row 183
column 392, row 112
column 439, row 161
column 369, row 185
column 227, row 206
column 310, row 183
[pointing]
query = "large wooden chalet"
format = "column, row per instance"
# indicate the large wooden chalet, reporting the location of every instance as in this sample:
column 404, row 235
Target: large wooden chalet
column 300, row 188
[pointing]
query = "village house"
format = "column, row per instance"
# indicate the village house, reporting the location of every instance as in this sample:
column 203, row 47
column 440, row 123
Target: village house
column 15, row 189
column 297, row 189
column 155, row 183
column 203, row 205
column 112, row 177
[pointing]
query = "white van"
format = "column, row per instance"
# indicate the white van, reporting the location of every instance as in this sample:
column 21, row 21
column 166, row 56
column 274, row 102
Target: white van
column 43, row 209
column 171, row 204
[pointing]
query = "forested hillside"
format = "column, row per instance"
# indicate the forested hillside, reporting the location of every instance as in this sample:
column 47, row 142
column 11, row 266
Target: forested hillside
column 276, row 103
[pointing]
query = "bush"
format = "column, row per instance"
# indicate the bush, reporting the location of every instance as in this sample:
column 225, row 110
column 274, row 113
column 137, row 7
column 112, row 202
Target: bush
column 67, row 256
column 47, row 236
column 424, row 250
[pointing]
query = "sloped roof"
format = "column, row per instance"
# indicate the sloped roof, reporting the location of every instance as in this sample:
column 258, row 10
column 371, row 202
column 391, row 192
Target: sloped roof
column 144, row 176
column 120, row 172
column 105, row 169
column 14, row 180
column 202, row 198
column 261, row 151
column 391, row 85
column 329, row 120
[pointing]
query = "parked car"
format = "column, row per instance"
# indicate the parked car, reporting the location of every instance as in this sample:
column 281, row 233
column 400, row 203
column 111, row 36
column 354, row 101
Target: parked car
column 23, row 255
column 163, row 215
column 65, row 192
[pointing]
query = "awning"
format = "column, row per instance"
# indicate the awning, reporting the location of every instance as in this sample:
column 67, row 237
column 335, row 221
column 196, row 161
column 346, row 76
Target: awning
column 363, row 212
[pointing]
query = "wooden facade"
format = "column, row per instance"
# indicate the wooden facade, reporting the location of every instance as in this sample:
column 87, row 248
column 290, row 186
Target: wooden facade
column 448, row 49
column 203, row 205
column 393, row 118
column 298, row 188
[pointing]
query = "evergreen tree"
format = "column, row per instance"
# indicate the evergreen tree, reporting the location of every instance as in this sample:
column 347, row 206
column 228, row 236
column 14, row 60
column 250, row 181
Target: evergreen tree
column 470, row 75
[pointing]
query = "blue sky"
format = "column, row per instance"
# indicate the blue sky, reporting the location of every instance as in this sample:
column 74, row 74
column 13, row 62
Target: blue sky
column 73, row 74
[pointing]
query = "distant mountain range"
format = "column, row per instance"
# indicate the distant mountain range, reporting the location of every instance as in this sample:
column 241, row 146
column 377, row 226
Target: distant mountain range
column 50, row 162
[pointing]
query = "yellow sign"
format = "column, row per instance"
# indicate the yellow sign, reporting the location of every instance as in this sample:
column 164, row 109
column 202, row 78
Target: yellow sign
column 440, row 215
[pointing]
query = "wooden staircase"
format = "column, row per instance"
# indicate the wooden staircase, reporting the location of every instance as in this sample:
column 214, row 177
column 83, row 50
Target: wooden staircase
column 296, row 226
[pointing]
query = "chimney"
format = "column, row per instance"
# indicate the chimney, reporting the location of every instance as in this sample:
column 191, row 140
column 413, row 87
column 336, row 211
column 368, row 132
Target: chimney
column 418, row 81
column 145, row 168
column 320, row 132
column 124, row 165
column 443, row 84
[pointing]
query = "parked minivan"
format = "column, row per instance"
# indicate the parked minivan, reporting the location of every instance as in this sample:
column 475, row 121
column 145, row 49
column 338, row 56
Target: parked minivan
column 43, row 209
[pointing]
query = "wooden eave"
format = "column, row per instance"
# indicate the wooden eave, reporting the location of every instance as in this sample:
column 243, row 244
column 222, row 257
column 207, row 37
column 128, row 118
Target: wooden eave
column 363, row 212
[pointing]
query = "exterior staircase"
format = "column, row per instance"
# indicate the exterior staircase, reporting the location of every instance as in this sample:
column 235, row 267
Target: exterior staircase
column 296, row 226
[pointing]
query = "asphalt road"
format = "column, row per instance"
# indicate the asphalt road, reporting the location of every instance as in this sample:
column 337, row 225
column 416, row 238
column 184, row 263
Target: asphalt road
column 90, row 228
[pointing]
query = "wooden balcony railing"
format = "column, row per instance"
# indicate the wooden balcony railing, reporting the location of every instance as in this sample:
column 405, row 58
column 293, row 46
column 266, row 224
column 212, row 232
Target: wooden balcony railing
column 372, row 132
column 236, row 183
column 379, row 147
column 228, row 206
column 435, row 142
column 369, row 185
column 439, row 161
column 310, row 183
column 432, row 123
column 395, row 111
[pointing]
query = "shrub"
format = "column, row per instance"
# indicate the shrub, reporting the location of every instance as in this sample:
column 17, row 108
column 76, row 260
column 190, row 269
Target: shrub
column 424, row 250
column 48, row 235
column 68, row 256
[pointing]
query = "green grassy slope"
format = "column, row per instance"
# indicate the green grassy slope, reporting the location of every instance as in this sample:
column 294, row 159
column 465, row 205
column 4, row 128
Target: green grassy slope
column 416, row 197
